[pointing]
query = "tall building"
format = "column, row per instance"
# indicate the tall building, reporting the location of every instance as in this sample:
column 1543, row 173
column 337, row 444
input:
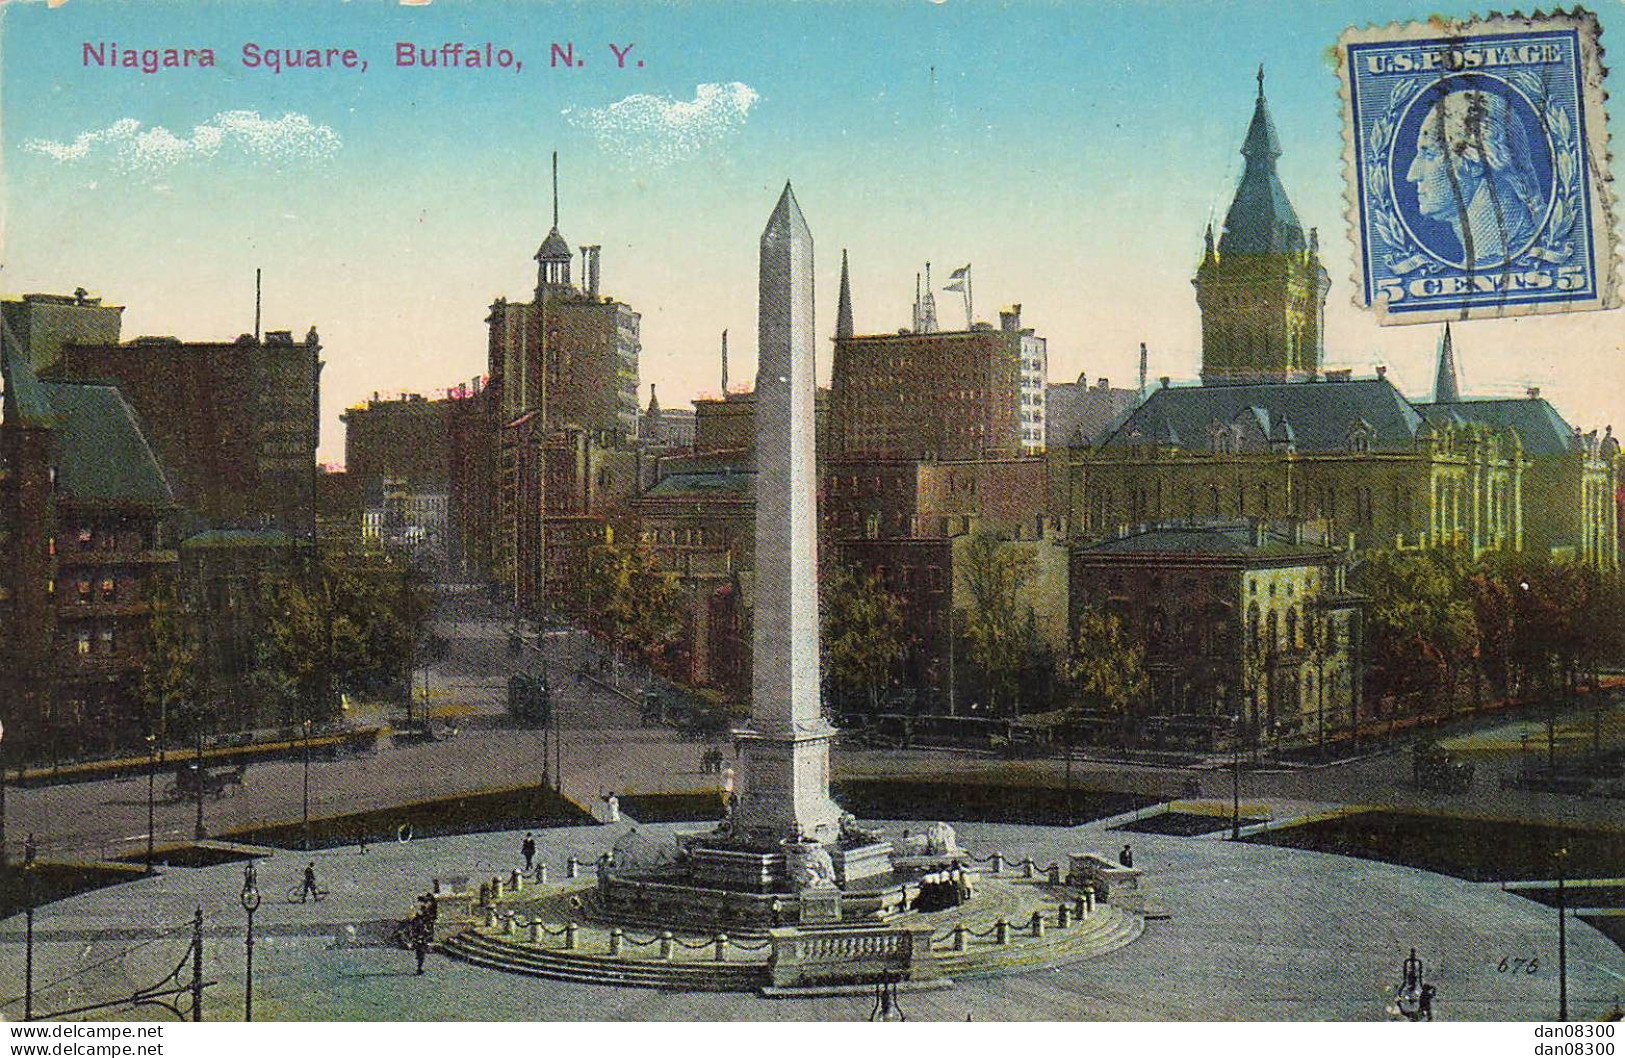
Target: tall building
column 567, row 360
column 41, row 324
column 940, row 394
column 405, row 440
column 235, row 424
column 82, row 500
column 1261, row 287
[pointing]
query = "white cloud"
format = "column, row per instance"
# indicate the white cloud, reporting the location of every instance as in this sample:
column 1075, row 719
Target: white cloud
column 657, row 130
column 231, row 133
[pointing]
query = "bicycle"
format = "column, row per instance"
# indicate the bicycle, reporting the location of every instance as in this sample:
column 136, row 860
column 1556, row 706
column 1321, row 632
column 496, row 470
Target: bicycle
column 296, row 894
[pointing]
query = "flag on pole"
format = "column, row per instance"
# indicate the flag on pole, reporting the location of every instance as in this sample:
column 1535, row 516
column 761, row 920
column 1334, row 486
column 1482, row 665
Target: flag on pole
column 957, row 286
column 960, row 273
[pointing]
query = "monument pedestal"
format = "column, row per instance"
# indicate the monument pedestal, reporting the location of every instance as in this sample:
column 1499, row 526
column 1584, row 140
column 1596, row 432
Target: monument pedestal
column 785, row 795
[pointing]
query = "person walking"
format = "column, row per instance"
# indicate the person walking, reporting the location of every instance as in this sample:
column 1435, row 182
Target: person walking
column 422, row 933
column 1126, row 857
column 308, row 889
column 528, row 850
column 612, row 808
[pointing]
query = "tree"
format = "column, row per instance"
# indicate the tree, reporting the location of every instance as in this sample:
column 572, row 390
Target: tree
column 351, row 625
column 1106, row 668
column 634, row 601
column 997, row 626
column 171, row 682
column 1423, row 627
column 863, row 626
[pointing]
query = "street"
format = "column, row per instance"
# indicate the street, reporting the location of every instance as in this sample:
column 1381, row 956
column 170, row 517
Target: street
column 604, row 748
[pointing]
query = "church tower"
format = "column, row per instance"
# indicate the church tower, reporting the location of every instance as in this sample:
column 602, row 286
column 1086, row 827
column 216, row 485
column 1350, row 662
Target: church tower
column 1446, row 390
column 1261, row 287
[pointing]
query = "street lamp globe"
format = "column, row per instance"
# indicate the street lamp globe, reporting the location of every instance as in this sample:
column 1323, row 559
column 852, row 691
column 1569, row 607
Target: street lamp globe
column 251, row 892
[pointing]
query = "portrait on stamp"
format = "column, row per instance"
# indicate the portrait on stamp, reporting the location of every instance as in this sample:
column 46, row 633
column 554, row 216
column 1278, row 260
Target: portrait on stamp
column 1477, row 169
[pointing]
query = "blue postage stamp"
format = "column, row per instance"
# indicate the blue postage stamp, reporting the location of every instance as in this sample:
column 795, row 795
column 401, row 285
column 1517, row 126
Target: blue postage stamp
column 1477, row 165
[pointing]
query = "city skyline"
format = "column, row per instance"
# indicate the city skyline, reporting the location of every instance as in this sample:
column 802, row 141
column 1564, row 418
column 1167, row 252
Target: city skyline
column 380, row 214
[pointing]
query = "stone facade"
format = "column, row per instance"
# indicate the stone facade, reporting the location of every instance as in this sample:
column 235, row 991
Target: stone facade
column 1236, row 621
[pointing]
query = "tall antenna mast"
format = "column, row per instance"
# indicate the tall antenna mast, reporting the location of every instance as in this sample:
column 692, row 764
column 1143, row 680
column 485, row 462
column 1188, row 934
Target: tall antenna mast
column 724, row 364
column 256, row 304
column 555, row 189
column 1142, row 368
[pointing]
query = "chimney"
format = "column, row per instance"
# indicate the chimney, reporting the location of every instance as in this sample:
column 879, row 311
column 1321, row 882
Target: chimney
column 589, row 266
column 1533, row 392
column 1010, row 319
column 1382, row 371
column 1165, row 380
column 1143, row 367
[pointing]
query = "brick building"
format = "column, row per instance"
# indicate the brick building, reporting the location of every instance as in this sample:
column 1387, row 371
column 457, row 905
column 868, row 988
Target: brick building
column 234, row 424
column 82, row 500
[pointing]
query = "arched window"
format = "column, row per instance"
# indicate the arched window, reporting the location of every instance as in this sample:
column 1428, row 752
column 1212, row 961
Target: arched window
column 1291, row 629
column 1272, row 632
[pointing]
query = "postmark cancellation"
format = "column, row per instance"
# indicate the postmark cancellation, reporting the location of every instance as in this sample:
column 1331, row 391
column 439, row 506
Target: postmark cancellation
column 1477, row 167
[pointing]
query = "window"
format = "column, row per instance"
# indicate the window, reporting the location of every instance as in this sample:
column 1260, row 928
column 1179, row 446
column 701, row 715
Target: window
column 106, row 641
column 84, row 644
column 84, row 536
column 84, row 591
column 108, row 589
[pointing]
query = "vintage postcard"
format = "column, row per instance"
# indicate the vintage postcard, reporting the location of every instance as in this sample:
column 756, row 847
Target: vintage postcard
column 1478, row 167
column 809, row 512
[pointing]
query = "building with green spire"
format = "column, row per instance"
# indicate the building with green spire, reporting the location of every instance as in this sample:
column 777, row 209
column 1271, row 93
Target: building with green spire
column 1261, row 287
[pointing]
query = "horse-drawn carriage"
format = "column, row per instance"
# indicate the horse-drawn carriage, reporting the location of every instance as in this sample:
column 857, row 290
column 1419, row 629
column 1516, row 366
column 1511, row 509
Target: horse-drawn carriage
column 1435, row 770
column 192, row 779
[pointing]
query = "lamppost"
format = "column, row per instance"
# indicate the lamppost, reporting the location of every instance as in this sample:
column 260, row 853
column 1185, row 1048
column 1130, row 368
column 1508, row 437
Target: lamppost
column 306, row 815
column 152, row 799
column 198, row 783
column 1561, row 857
column 30, row 850
column 251, row 902
column 1235, row 779
column 3, row 861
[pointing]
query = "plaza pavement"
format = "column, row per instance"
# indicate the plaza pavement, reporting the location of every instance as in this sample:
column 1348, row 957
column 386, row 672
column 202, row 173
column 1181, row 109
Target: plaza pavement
column 1254, row 933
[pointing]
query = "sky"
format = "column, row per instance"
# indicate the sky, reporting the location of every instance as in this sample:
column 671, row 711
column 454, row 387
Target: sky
column 1071, row 153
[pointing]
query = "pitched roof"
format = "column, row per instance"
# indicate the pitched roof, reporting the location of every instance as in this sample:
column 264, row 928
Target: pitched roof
column 1322, row 413
column 1261, row 218
column 1445, row 387
column 1235, row 539
column 1541, row 429
column 738, row 484
column 99, row 448
column 25, row 403
column 554, row 248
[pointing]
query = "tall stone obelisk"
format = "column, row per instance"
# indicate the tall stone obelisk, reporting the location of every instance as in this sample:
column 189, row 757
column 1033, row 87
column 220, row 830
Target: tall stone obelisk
column 785, row 750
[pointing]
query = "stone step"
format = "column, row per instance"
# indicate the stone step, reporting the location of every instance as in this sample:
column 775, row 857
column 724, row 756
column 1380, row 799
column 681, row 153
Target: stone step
column 619, row 976
column 575, row 966
column 1104, row 932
